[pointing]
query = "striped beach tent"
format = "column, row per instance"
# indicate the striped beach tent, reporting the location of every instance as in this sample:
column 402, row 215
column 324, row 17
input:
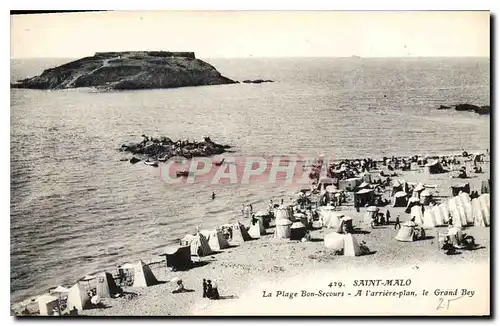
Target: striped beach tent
column 479, row 215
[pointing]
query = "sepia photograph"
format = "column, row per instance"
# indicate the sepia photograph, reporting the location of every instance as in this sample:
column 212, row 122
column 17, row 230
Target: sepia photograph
column 250, row 163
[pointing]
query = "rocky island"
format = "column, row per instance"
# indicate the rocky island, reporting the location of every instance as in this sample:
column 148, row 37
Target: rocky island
column 129, row 70
column 163, row 148
column 485, row 109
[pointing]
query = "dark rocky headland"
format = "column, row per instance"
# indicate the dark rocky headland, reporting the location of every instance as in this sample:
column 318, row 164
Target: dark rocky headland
column 486, row 109
column 164, row 148
column 129, row 70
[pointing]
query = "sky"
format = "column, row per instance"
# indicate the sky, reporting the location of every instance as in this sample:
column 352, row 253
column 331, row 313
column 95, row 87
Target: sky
column 223, row 34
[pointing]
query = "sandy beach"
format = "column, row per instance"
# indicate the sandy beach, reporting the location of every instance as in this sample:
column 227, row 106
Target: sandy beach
column 243, row 272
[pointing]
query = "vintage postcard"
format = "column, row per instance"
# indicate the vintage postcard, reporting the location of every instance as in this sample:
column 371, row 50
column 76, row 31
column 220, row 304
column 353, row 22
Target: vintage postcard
column 256, row 163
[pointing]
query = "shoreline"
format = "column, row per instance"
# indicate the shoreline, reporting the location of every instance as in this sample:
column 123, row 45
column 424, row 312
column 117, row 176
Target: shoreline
column 268, row 239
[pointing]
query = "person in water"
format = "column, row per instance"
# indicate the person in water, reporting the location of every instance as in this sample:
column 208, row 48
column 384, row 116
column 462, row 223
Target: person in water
column 213, row 195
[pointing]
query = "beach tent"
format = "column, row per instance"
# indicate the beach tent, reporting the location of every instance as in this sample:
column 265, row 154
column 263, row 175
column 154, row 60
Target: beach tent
column 326, row 213
column 106, row 286
column 143, row 276
column 396, row 187
column 199, row 244
column 239, row 233
column 400, row 199
column 324, row 182
column 366, row 177
column 345, row 242
column 178, row 258
column 297, row 231
column 465, row 202
column 282, row 212
column 485, row 186
column 346, row 223
column 445, row 211
column 484, row 199
column 283, row 229
column 78, row 297
column 256, row 229
column 419, row 187
column 484, row 202
column 351, row 246
column 46, row 304
column 425, row 197
column 411, row 203
column 464, row 187
column 406, row 232
column 416, row 214
column 364, row 196
column 349, row 184
column 334, row 222
column 439, row 217
column 371, row 213
column 363, row 185
column 332, row 189
column 481, row 216
column 429, row 219
column 456, row 217
column 216, row 240
column 433, row 167
column 334, row 241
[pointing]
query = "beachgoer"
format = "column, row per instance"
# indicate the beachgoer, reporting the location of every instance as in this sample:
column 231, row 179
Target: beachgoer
column 204, row 288
column 213, row 195
column 397, row 224
column 180, row 287
column 215, row 291
column 209, row 289
column 282, row 201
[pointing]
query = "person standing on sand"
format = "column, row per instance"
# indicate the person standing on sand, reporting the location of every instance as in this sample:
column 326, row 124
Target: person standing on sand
column 387, row 217
column 397, row 224
column 204, row 288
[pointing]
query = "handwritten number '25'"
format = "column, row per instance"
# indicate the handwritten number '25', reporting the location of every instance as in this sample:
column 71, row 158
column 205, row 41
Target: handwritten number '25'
column 447, row 305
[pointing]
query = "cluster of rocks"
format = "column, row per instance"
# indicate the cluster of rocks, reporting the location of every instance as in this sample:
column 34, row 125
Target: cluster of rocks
column 485, row 109
column 164, row 148
column 257, row 81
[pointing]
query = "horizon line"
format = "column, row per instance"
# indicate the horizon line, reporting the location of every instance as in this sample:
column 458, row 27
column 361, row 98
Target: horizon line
column 282, row 57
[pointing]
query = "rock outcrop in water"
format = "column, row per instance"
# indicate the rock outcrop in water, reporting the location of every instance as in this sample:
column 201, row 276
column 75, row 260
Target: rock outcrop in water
column 486, row 109
column 129, row 70
column 257, row 81
column 163, row 148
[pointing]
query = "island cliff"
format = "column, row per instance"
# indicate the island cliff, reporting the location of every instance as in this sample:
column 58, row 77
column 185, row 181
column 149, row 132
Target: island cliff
column 129, row 70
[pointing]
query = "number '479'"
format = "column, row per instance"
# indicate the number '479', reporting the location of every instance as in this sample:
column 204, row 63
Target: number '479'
column 336, row 284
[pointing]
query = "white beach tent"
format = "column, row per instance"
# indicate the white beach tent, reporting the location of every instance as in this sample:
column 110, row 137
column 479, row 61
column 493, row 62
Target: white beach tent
column 345, row 242
column 77, row 297
column 439, row 217
column 334, row 240
column 481, row 217
column 256, row 229
column 335, row 221
column 282, row 212
column 456, row 217
column 429, row 219
column 198, row 243
column 445, row 212
column 46, row 304
column 143, row 276
column 416, row 214
column 283, row 229
column 351, row 246
column 484, row 199
column 326, row 213
column 406, row 232
column 216, row 240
